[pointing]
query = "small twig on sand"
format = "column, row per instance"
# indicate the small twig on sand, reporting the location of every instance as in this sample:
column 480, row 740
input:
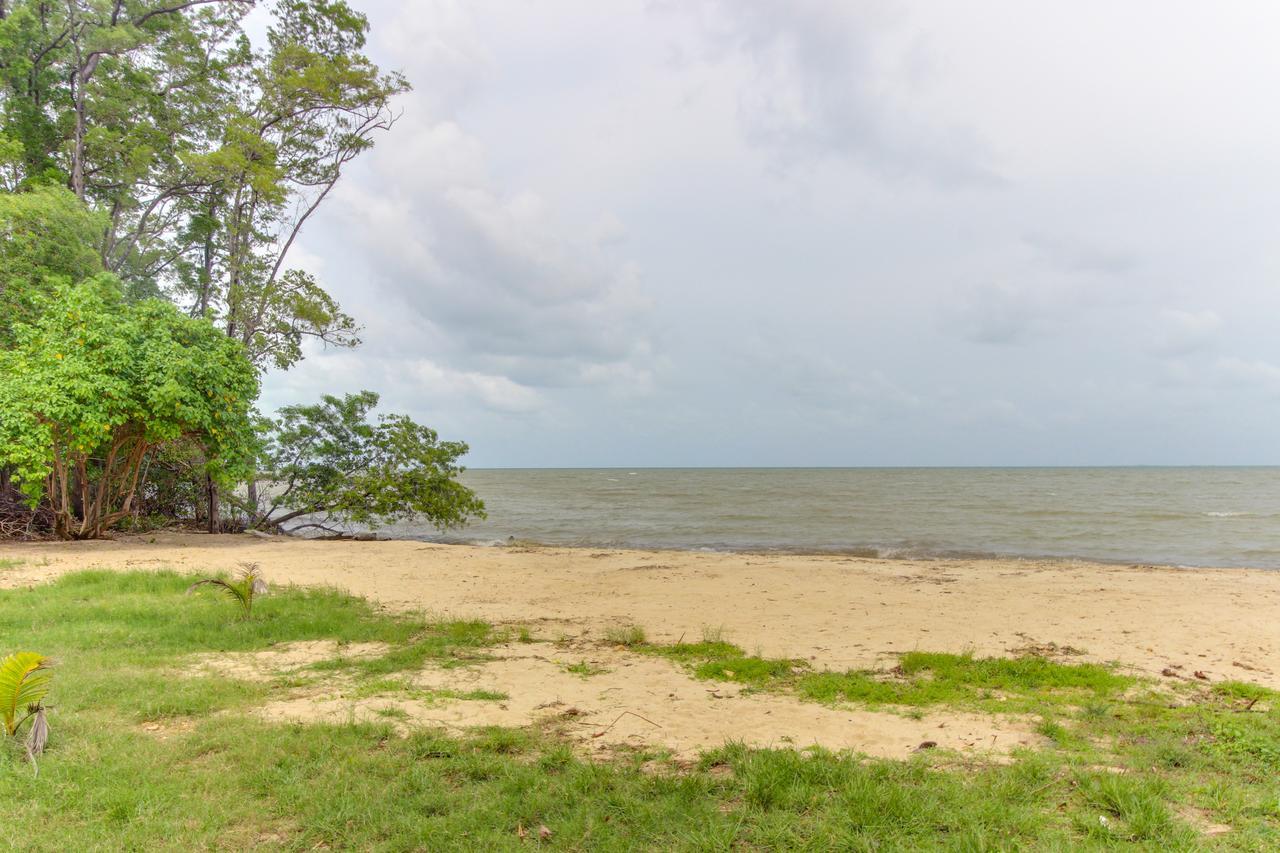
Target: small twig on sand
column 620, row 716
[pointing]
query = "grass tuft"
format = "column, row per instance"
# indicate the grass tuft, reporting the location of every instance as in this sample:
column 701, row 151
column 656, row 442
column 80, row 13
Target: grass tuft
column 585, row 669
column 625, row 635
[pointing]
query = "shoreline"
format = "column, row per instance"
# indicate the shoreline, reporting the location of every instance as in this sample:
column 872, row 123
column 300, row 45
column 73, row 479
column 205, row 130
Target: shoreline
column 887, row 553
column 835, row 611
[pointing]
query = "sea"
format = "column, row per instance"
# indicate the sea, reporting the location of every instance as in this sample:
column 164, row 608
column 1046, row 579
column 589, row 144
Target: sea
column 1170, row 516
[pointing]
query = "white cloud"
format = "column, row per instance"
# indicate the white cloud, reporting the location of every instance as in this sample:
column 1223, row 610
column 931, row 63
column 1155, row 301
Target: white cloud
column 1184, row 332
column 1255, row 374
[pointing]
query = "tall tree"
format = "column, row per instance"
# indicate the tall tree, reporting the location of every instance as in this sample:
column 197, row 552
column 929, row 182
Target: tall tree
column 206, row 155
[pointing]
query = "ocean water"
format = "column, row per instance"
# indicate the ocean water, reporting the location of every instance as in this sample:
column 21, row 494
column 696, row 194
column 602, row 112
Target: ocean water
column 1175, row 516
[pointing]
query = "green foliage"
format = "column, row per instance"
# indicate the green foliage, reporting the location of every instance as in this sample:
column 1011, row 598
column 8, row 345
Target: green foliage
column 46, row 236
column 328, row 463
column 24, row 682
column 206, row 155
column 242, row 590
column 96, row 385
column 1247, row 738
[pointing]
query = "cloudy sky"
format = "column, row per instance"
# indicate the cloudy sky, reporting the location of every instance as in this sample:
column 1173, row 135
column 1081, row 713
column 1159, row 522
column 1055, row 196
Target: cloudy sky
column 812, row 232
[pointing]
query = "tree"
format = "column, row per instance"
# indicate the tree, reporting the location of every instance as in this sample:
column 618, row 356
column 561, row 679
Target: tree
column 96, row 385
column 329, row 464
column 205, row 155
column 46, row 235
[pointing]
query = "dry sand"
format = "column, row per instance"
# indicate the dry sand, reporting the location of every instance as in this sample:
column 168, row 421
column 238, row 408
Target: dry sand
column 836, row 612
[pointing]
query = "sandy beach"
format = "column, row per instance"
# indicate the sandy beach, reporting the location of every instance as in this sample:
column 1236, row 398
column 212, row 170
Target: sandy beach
column 837, row 612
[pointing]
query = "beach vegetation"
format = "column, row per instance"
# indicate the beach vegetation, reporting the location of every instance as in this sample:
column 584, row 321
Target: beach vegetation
column 96, row 385
column 157, row 167
column 919, row 679
column 330, row 464
column 247, row 586
column 586, row 669
column 25, row 680
column 624, row 635
column 144, row 737
column 446, row 643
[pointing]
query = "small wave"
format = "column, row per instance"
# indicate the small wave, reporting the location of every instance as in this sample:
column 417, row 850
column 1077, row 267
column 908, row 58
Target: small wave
column 1228, row 514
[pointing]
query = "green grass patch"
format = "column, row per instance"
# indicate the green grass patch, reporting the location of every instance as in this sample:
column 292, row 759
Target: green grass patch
column 921, row 678
column 10, row 563
column 719, row 660
column 401, row 689
column 452, row 643
column 585, row 669
column 933, row 678
column 219, row 777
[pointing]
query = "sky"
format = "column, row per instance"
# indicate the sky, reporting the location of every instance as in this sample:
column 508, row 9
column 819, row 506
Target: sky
column 817, row 232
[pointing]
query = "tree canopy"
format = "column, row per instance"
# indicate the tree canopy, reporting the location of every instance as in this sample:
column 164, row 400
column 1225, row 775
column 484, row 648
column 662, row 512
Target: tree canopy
column 96, row 385
column 205, row 154
column 46, row 236
column 157, row 165
column 330, row 463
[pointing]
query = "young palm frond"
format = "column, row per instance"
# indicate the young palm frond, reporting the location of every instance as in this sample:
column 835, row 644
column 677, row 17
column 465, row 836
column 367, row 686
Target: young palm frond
column 241, row 590
column 24, row 682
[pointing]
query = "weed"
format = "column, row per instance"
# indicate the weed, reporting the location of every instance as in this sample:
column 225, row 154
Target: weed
column 625, row 635
column 585, row 669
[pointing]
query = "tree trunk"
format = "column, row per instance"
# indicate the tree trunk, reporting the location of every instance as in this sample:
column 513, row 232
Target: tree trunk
column 213, row 504
column 77, row 140
column 252, row 489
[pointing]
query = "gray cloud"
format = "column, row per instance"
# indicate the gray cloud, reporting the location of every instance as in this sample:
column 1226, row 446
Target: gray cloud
column 817, row 88
column 1075, row 256
column 753, row 232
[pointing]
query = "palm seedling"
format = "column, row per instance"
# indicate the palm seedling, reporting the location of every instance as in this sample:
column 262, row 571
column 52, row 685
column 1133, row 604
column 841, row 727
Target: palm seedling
column 24, row 682
column 242, row 590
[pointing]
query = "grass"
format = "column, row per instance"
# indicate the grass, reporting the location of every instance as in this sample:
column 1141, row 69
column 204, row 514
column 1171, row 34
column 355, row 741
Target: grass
column 402, row 689
column 10, row 563
column 625, row 635
column 1125, row 765
column 921, row 678
column 585, row 669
